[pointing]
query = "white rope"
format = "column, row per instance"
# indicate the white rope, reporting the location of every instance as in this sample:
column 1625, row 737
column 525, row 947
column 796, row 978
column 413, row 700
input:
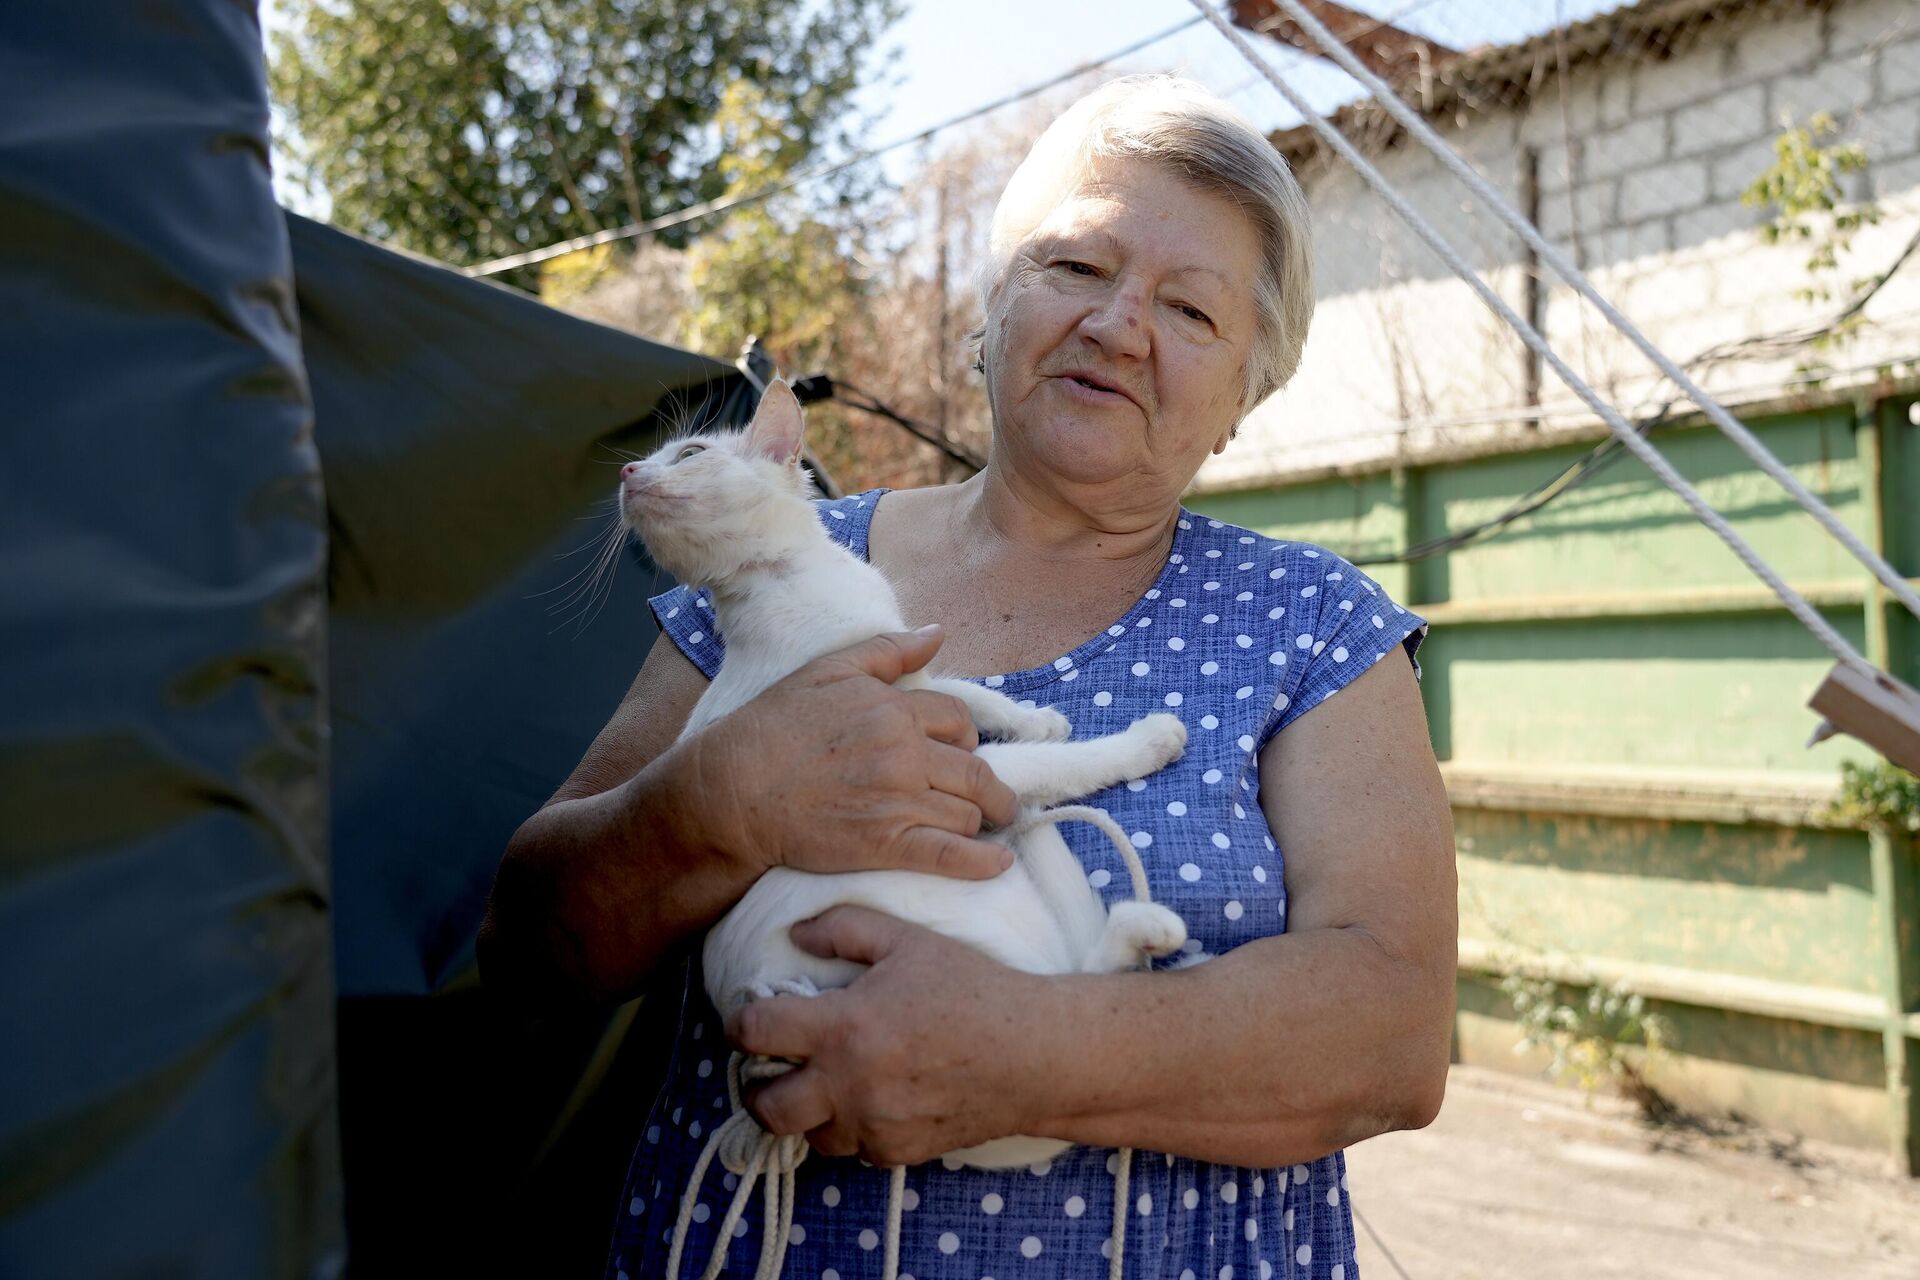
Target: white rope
column 1122, row 1173
column 1835, row 643
column 750, row 1152
column 1137, row 874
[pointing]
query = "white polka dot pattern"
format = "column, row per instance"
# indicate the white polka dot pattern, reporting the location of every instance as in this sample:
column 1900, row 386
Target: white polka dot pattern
column 1280, row 627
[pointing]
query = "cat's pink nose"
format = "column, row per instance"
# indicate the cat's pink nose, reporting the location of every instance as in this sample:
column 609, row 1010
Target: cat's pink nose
column 629, row 469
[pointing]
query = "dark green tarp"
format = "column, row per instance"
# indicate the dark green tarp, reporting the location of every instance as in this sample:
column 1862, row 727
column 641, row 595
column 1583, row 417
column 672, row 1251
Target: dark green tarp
column 270, row 556
column 471, row 439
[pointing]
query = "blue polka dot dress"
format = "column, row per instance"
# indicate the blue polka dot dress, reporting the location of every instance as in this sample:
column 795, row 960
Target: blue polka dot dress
column 1239, row 635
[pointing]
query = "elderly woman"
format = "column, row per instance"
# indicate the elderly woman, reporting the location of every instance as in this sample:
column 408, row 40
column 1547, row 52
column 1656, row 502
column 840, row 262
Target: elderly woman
column 1148, row 285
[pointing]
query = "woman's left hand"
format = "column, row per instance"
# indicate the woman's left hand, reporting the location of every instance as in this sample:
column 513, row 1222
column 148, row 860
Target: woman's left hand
column 919, row 1056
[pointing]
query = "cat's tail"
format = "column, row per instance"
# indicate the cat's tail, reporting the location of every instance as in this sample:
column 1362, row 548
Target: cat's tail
column 1101, row 819
column 1098, row 818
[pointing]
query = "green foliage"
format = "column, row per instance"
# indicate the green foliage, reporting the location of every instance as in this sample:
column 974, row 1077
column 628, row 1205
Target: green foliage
column 774, row 270
column 480, row 128
column 1878, row 795
column 1803, row 188
column 1593, row 1032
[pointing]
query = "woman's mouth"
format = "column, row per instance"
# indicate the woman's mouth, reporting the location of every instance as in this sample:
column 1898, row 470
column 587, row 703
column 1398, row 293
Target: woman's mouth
column 1091, row 392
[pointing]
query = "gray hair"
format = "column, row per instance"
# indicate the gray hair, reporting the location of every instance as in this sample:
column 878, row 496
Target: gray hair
column 1183, row 126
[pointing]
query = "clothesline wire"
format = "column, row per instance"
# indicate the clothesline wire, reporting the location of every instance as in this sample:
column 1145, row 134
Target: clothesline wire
column 1829, row 637
column 1550, row 490
column 721, row 204
column 821, row 386
column 1551, row 255
column 1393, row 19
column 1554, row 487
column 1609, row 451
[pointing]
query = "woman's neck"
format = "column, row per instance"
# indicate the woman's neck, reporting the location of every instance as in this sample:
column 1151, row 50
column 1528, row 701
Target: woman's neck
column 1015, row 578
column 1022, row 520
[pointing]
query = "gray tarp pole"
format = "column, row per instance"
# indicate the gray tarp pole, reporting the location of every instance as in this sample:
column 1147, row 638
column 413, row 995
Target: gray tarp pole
column 166, row 1089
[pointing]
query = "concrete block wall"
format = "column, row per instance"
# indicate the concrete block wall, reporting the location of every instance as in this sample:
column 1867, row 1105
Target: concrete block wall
column 1641, row 167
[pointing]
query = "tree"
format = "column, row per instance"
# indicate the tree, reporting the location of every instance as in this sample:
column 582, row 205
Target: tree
column 785, row 270
column 472, row 130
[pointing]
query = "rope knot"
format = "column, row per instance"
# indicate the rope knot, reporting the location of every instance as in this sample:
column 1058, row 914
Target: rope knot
column 739, row 1143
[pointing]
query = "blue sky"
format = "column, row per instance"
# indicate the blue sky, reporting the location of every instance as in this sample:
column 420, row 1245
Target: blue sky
column 954, row 56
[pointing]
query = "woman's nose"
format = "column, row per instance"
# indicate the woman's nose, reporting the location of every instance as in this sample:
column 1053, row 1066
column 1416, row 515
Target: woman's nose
column 1119, row 323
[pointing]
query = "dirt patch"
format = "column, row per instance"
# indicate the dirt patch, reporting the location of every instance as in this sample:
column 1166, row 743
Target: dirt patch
column 1518, row 1178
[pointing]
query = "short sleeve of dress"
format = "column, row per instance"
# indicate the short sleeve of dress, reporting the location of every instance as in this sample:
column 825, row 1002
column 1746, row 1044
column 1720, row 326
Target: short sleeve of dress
column 1337, row 623
column 686, row 618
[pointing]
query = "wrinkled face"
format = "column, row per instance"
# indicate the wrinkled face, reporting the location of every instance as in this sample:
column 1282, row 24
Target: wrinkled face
column 702, row 505
column 1117, row 345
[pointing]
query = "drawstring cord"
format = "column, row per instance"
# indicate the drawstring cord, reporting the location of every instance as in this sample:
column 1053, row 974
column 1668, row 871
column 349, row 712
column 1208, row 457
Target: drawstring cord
column 751, row 1153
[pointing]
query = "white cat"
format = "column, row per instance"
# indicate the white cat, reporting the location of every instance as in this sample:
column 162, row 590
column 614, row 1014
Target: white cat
column 730, row 512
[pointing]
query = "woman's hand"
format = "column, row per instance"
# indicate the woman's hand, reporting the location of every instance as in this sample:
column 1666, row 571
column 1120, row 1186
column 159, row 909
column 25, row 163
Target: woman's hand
column 919, row 1056
column 652, row 840
column 833, row 769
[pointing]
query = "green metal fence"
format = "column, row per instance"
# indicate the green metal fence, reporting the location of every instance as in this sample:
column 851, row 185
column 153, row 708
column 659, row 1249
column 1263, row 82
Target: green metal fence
column 1619, row 709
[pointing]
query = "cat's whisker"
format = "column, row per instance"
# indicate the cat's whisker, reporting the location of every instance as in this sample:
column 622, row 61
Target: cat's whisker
column 602, row 509
column 605, row 596
column 592, row 593
column 598, row 546
column 589, row 584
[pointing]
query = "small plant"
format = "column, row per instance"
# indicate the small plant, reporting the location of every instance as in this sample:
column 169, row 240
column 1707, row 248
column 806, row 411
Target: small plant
column 1878, row 795
column 1592, row 1031
column 1803, row 187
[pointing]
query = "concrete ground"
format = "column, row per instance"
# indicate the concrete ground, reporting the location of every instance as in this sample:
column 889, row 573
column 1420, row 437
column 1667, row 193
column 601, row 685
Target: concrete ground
column 1518, row 1179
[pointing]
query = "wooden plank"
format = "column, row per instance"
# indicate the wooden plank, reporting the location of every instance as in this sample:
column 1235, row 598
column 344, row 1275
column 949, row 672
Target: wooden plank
column 1722, row 796
column 1890, row 860
column 1794, row 1002
column 1877, row 709
column 1891, row 864
column 1659, row 603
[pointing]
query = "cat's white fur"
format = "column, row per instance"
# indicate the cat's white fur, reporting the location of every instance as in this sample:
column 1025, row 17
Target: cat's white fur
column 730, row 512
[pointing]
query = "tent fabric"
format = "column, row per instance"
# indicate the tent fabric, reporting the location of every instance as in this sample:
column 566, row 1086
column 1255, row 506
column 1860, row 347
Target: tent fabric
column 263, row 738
column 471, row 439
column 166, row 1093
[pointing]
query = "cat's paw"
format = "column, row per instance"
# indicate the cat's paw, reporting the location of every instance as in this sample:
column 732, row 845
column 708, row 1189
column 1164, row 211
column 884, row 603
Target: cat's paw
column 1162, row 738
column 1137, row 932
column 1151, row 929
column 1040, row 724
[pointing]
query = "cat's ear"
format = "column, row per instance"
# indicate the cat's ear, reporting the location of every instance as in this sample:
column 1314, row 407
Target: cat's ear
column 778, row 428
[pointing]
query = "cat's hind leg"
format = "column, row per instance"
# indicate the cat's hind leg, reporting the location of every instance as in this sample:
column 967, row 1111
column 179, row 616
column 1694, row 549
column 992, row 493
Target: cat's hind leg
column 996, row 715
column 1136, row 932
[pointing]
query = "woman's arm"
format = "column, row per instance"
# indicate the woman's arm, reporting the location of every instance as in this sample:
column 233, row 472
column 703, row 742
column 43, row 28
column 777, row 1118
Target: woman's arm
column 1279, row 1052
column 653, row 839
column 1339, row 1029
column 617, row 866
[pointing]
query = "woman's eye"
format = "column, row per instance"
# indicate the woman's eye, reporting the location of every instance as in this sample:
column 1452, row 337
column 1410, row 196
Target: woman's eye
column 689, row 451
column 1194, row 313
column 1080, row 268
